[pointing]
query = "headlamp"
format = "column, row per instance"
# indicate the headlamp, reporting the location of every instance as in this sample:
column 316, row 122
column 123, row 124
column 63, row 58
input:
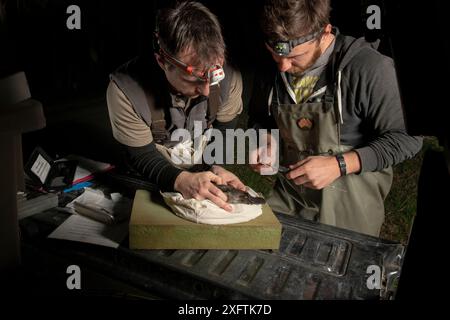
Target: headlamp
column 214, row 74
column 283, row 48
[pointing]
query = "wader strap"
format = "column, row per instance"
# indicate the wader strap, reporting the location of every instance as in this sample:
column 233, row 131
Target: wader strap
column 158, row 125
column 218, row 95
column 214, row 101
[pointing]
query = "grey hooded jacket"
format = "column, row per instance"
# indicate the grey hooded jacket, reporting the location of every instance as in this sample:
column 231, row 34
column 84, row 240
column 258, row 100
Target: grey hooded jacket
column 371, row 109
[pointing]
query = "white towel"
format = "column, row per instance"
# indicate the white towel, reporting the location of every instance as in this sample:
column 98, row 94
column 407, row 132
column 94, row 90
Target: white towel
column 206, row 212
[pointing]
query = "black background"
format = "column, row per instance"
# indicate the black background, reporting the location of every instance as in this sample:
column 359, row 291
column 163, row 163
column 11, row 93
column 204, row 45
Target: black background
column 65, row 68
column 62, row 63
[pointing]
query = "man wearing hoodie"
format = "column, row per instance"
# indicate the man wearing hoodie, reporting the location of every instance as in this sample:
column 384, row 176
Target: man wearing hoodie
column 336, row 102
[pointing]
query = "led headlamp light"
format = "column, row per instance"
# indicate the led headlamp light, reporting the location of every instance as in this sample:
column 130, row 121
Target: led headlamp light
column 283, row 48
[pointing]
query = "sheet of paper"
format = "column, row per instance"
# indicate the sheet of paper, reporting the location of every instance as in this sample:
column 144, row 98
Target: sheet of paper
column 82, row 229
column 41, row 168
column 115, row 205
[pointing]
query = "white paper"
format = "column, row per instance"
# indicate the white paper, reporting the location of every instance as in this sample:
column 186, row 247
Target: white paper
column 117, row 206
column 41, row 168
column 82, row 229
column 207, row 212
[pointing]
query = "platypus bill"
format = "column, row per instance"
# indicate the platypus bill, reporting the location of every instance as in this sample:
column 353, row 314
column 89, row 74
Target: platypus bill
column 236, row 196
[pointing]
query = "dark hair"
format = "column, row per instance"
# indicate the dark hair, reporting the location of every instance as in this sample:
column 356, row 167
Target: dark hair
column 290, row 19
column 191, row 25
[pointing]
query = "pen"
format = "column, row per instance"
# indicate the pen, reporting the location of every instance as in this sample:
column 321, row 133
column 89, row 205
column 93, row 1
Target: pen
column 98, row 214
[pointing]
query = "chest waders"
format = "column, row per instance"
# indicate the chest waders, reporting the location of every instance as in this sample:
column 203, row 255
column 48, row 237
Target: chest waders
column 355, row 201
column 154, row 106
column 204, row 112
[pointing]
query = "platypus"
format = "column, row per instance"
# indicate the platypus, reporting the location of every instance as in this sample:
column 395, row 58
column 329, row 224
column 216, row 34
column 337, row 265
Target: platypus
column 236, row 196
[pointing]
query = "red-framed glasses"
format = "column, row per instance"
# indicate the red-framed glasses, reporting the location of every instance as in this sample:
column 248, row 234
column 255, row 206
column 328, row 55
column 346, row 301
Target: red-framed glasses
column 214, row 74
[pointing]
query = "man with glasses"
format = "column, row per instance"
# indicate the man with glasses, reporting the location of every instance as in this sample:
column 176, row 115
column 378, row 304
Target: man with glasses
column 336, row 102
column 184, row 84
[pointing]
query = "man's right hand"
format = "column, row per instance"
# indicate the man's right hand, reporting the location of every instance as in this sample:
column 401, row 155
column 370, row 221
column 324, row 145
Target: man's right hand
column 200, row 186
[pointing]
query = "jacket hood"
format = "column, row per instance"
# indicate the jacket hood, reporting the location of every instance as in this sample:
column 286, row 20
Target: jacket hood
column 347, row 47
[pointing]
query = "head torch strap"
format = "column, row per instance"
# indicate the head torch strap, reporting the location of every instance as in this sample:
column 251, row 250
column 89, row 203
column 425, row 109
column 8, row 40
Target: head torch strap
column 189, row 69
column 283, row 48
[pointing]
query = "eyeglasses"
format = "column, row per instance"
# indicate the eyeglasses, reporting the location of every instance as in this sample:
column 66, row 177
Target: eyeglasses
column 214, row 74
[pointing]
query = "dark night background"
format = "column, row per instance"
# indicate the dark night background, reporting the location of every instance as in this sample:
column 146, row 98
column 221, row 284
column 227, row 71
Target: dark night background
column 67, row 71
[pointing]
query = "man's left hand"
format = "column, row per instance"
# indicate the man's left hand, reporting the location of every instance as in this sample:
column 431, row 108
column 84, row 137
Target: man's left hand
column 315, row 172
column 228, row 177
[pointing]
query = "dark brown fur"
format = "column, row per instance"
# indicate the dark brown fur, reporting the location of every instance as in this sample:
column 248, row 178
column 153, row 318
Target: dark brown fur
column 236, row 196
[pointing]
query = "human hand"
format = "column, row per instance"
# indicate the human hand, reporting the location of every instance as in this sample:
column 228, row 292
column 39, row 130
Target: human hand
column 315, row 172
column 228, row 177
column 200, row 186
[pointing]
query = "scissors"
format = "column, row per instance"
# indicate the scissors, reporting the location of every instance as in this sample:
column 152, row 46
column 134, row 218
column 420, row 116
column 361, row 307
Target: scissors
column 283, row 169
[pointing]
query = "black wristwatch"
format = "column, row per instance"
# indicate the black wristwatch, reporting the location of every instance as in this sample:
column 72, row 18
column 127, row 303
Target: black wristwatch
column 342, row 166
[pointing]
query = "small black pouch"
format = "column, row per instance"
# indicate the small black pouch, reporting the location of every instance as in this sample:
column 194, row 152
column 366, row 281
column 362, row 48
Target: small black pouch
column 50, row 174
